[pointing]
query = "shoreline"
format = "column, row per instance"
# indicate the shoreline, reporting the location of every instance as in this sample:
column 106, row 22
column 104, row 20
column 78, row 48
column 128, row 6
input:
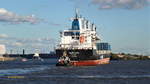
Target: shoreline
column 7, row 58
column 123, row 56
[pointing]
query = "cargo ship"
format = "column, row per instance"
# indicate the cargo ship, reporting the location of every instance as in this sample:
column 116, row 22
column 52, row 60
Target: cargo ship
column 81, row 46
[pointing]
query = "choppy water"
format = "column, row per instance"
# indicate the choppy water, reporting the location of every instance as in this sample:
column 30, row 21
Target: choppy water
column 45, row 72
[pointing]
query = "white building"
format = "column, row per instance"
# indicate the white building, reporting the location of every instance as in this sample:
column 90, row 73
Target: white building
column 2, row 49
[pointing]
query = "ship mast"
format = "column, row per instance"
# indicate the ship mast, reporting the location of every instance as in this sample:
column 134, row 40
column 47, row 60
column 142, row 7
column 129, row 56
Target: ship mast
column 76, row 13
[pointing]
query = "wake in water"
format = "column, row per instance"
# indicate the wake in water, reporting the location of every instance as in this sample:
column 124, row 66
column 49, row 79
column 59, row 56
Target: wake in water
column 7, row 72
column 45, row 72
column 93, row 77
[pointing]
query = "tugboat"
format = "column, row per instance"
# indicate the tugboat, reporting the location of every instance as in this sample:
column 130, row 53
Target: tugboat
column 81, row 46
column 36, row 56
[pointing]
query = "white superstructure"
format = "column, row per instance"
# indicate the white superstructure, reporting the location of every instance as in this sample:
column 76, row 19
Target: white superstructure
column 82, row 35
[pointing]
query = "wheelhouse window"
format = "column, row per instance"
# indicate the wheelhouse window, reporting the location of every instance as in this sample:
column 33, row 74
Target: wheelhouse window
column 71, row 33
column 68, row 33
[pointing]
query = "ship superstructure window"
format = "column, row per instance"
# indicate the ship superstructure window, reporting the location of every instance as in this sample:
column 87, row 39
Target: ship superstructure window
column 76, row 33
column 68, row 33
column 75, row 25
column 77, row 38
column 103, row 46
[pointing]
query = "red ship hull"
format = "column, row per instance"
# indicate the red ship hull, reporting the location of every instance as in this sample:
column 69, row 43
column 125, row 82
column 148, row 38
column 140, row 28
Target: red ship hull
column 90, row 62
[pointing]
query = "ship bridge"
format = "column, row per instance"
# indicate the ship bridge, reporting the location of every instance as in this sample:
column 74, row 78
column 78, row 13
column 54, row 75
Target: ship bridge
column 81, row 35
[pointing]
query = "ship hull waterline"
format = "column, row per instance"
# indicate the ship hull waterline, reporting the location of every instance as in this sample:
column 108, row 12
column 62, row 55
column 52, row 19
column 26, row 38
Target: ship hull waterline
column 86, row 62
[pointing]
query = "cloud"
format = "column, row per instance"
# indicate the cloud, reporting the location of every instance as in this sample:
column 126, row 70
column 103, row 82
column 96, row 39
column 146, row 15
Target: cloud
column 44, row 45
column 10, row 17
column 17, row 44
column 13, row 18
column 3, row 36
column 125, row 4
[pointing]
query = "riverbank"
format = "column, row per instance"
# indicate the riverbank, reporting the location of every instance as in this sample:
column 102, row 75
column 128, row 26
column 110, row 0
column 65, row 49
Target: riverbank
column 123, row 56
column 114, row 56
column 7, row 58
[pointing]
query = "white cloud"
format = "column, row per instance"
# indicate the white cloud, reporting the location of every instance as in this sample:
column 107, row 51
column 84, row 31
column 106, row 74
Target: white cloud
column 17, row 44
column 125, row 4
column 3, row 36
column 10, row 17
column 44, row 45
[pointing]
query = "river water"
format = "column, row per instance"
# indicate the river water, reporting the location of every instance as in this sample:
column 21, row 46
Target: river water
column 45, row 72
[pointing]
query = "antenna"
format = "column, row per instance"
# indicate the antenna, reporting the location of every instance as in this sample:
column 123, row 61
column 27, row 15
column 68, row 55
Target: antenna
column 76, row 13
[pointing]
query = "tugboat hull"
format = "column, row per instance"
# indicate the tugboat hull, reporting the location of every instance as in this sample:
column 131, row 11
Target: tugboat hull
column 85, row 62
column 90, row 62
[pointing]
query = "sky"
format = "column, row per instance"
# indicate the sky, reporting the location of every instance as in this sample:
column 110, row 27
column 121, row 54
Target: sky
column 34, row 25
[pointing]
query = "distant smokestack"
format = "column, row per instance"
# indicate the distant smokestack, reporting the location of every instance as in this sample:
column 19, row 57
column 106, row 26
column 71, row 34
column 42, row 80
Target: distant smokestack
column 11, row 51
column 23, row 51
